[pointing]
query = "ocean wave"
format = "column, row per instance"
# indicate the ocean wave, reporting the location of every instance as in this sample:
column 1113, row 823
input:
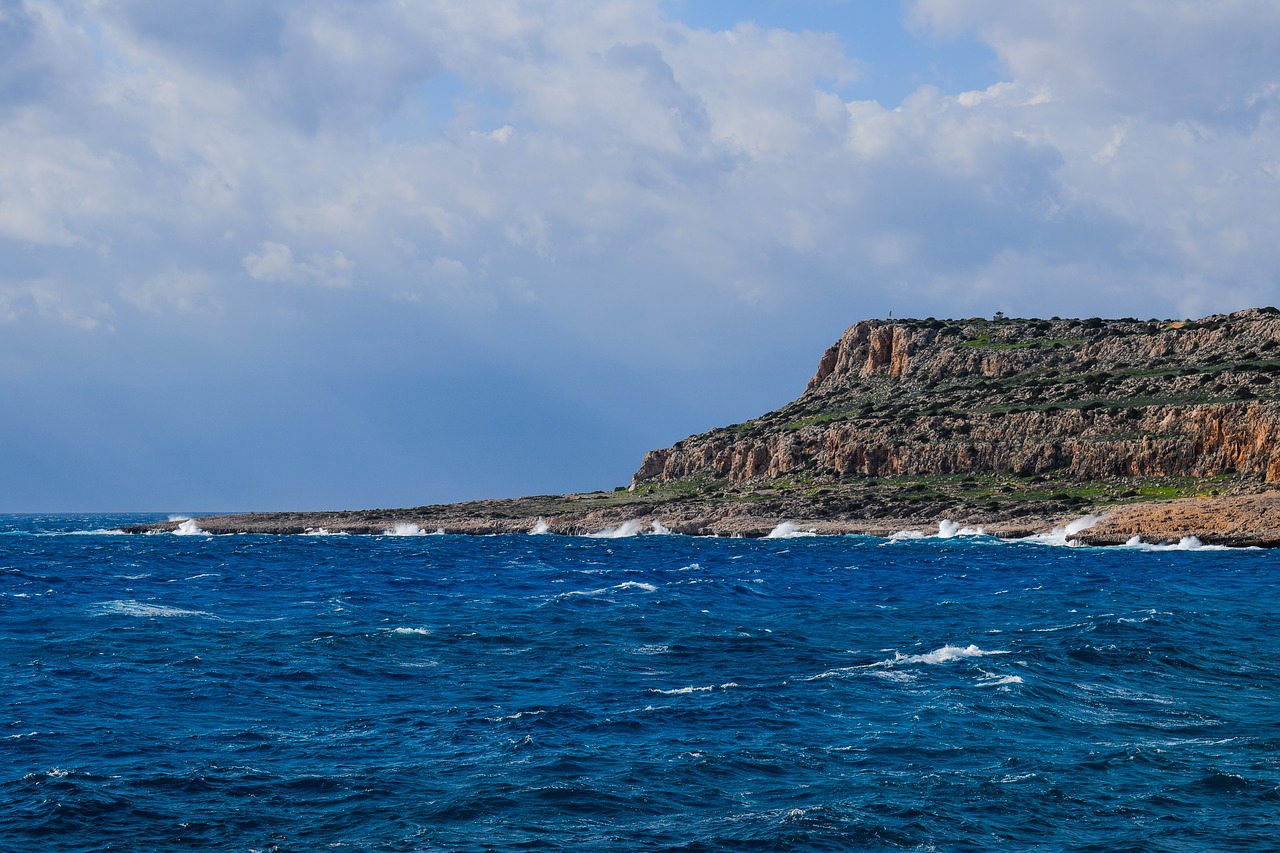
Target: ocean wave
column 188, row 527
column 540, row 527
column 1186, row 543
column 142, row 609
column 686, row 691
column 591, row 593
column 788, row 530
column 1062, row 536
column 404, row 528
column 947, row 529
column 995, row 679
column 631, row 527
column 420, row 632
column 946, row 654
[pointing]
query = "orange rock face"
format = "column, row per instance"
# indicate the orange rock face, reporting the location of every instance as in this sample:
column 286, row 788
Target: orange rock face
column 1087, row 400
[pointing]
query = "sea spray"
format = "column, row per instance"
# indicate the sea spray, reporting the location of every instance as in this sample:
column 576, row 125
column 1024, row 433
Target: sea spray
column 789, row 530
column 189, row 528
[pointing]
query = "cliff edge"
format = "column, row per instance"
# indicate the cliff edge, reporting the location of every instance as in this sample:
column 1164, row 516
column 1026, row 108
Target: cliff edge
column 1069, row 401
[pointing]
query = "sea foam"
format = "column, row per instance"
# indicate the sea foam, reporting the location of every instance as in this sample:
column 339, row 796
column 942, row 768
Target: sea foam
column 946, row 654
column 147, row 611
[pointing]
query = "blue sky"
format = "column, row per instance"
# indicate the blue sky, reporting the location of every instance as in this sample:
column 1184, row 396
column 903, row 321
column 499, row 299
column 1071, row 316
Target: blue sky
column 259, row 255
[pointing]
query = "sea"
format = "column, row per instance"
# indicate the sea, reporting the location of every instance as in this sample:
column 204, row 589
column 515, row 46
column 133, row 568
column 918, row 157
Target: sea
column 953, row 692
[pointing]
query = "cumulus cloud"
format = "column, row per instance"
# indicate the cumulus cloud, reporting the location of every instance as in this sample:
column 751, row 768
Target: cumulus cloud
column 274, row 262
column 526, row 137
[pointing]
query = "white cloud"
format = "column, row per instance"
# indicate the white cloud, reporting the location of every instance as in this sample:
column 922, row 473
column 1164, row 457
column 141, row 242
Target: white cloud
column 557, row 187
column 275, row 262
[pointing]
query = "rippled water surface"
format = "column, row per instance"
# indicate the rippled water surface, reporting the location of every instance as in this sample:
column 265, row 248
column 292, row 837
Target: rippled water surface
column 647, row 693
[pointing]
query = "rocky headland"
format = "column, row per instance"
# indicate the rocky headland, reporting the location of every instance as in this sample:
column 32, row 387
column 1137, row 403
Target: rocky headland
column 1159, row 429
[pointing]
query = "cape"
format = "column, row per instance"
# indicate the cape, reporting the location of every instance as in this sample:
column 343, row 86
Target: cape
column 1160, row 429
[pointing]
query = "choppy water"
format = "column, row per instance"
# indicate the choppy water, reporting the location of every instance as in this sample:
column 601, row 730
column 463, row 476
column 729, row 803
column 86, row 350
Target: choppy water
column 651, row 693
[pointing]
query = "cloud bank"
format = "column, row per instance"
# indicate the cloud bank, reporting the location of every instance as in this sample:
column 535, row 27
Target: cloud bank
column 605, row 206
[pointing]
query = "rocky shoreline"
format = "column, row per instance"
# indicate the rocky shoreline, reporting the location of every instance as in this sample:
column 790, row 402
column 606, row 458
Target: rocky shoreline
column 1236, row 521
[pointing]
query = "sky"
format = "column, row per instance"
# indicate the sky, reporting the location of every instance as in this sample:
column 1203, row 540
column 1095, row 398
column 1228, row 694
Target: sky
column 367, row 253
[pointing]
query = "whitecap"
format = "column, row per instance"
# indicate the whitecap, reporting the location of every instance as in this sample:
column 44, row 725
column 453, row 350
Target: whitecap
column 540, row 527
column 685, row 691
column 788, row 530
column 516, row 716
column 591, row 593
column 946, row 654
column 419, row 632
column 991, row 679
column 189, row 528
column 146, row 611
column 895, row 675
column 647, row 587
column 905, row 535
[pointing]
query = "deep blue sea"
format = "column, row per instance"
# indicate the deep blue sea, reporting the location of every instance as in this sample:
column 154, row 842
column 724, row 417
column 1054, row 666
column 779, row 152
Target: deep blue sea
column 406, row 693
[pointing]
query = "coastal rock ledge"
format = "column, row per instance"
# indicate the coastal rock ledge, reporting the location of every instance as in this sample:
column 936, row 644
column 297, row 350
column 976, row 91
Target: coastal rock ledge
column 1163, row 429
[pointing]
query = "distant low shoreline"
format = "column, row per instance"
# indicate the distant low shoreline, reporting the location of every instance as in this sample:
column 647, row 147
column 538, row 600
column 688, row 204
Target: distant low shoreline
column 1236, row 520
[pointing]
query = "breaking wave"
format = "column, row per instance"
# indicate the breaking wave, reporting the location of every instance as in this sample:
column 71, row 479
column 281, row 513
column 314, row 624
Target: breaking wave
column 592, row 593
column 408, row 528
column 146, row 611
column 948, row 529
column 1061, row 536
column 685, row 691
column 1186, row 543
column 189, row 528
column 788, row 530
column 628, row 528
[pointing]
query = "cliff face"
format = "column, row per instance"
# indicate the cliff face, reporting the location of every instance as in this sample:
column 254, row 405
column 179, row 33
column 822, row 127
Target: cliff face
column 1071, row 399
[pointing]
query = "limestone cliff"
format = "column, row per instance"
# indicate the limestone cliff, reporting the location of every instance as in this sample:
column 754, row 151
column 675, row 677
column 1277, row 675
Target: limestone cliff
column 1081, row 400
